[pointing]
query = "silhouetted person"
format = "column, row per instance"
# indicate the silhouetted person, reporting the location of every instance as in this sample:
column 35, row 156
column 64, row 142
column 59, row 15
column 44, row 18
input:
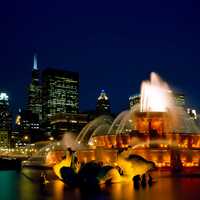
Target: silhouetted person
column 43, row 178
column 143, row 182
column 100, row 163
column 150, row 181
column 136, row 180
column 75, row 165
column 120, row 151
column 42, row 181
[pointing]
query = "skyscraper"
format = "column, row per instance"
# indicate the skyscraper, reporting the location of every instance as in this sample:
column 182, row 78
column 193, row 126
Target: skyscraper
column 34, row 91
column 133, row 100
column 60, row 92
column 5, row 120
column 103, row 104
column 179, row 99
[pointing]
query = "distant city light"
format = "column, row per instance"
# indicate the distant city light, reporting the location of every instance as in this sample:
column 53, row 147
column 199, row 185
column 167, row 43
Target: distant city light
column 18, row 120
column 26, row 137
column 103, row 95
column 3, row 96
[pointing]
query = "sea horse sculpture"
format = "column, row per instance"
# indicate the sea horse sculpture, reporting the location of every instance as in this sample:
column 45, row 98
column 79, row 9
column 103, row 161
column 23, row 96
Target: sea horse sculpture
column 95, row 173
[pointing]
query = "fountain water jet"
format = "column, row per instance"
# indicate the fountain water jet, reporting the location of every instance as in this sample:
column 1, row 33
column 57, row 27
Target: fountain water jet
column 155, row 95
column 93, row 127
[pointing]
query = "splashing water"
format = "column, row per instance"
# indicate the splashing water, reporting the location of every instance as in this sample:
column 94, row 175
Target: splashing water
column 93, row 128
column 155, row 95
column 157, row 110
column 50, row 153
column 122, row 123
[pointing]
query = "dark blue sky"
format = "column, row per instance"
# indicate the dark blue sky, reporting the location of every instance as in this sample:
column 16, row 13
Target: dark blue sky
column 114, row 45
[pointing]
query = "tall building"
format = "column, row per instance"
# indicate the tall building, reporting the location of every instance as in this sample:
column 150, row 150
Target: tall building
column 62, row 123
column 103, row 104
column 26, row 120
column 133, row 100
column 179, row 99
column 192, row 113
column 27, row 124
column 5, row 120
column 60, row 92
column 34, row 91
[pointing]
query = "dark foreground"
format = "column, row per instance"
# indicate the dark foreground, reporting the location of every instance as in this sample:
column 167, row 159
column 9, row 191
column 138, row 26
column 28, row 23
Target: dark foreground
column 25, row 185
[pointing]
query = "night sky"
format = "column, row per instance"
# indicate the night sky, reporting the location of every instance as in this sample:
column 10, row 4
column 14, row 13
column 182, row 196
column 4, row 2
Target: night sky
column 114, row 45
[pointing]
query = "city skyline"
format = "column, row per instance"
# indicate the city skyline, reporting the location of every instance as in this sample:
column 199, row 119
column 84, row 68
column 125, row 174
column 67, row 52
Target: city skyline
column 24, row 101
column 120, row 44
column 99, row 99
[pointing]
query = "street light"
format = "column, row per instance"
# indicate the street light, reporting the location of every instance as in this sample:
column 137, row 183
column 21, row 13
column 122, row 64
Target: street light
column 26, row 137
column 51, row 138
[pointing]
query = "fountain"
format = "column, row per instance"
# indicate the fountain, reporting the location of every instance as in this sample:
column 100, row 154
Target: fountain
column 153, row 128
column 154, row 132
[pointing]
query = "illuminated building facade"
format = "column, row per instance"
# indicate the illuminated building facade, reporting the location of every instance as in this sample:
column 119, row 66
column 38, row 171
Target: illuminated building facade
column 133, row 100
column 34, row 92
column 60, row 92
column 27, row 124
column 179, row 99
column 192, row 113
column 5, row 120
column 103, row 104
column 63, row 122
column 19, row 139
column 26, row 120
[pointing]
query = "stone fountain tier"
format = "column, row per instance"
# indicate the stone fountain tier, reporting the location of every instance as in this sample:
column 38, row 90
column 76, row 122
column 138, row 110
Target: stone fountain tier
column 160, row 156
column 145, row 122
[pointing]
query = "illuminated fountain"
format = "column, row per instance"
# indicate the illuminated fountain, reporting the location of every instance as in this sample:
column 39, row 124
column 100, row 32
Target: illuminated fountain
column 154, row 129
column 94, row 167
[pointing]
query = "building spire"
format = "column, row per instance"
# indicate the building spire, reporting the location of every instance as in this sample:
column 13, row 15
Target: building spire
column 103, row 95
column 35, row 62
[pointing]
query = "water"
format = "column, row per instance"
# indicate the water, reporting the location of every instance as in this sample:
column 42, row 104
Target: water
column 158, row 109
column 97, row 126
column 25, row 186
column 155, row 87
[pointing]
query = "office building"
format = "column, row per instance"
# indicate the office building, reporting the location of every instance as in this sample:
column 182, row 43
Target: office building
column 5, row 120
column 60, row 92
column 134, row 100
column 179, row 99
column 103, row 104
column 65, row 123
column 34, row 92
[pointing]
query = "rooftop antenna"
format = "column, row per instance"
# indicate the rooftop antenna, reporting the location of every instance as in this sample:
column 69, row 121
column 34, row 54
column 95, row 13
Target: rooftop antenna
column 35, row 62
